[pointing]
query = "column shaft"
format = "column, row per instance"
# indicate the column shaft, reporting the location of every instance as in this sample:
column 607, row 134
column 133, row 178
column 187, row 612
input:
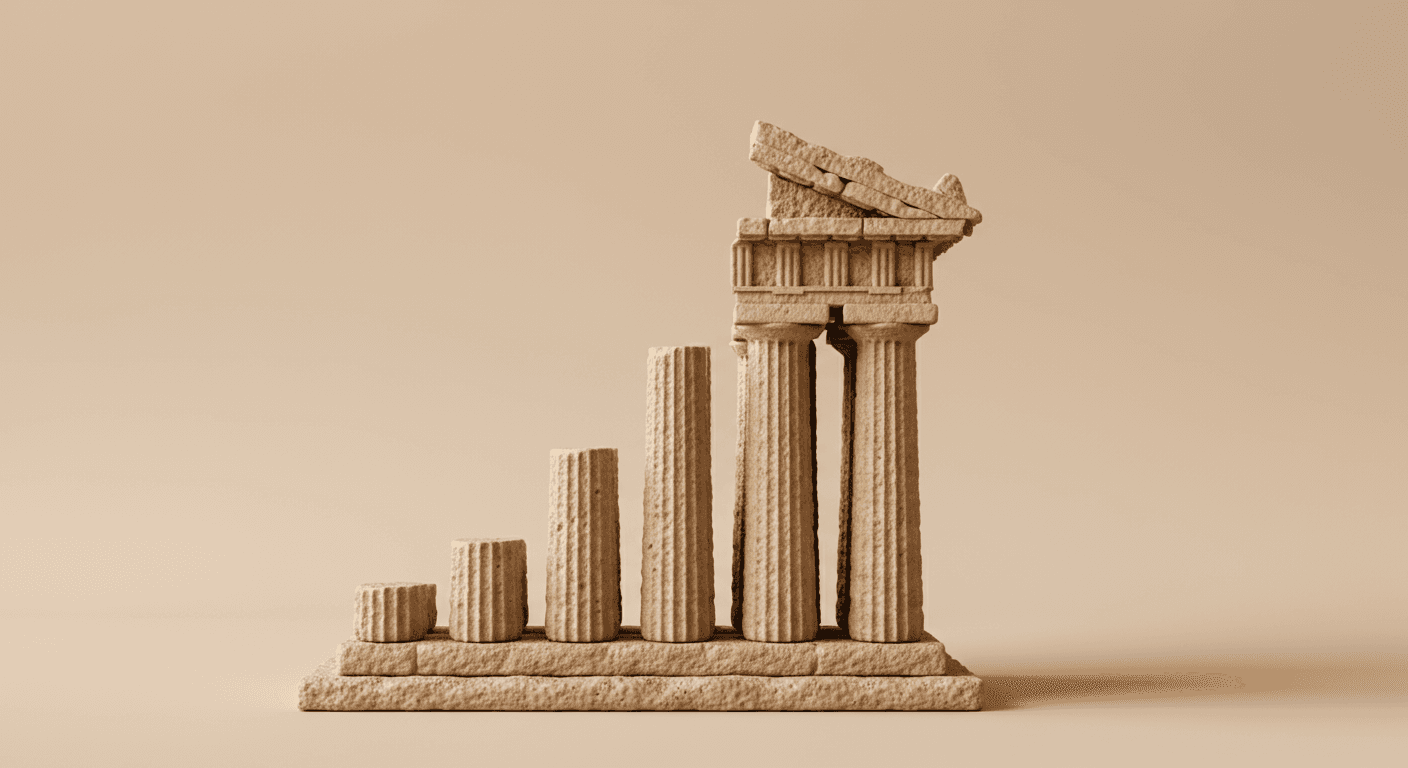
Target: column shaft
column 886, row 589
column 584, row 547
column 488, row 589
column 740, row 485
column 779, row 562
column 677, row 547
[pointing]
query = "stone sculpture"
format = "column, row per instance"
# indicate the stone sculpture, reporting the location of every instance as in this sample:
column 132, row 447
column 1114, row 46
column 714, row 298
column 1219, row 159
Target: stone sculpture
column 844, row 250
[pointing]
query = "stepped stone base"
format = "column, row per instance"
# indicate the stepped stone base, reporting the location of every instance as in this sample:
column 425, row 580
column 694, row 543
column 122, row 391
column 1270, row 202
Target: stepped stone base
column 830, row 673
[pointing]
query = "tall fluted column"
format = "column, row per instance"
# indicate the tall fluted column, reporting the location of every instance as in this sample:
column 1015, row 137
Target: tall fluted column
column 677, row 545
column 887, row 589
column 584, row 546
column 779, row 556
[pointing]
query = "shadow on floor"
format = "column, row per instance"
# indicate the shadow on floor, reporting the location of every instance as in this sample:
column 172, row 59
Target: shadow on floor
column 1331, row 678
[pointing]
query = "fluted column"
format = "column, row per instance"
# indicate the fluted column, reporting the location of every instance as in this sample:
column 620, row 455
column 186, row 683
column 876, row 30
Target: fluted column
column 488, row 589
column 779, row 556
column 584, row 546
column 393, row 612
column 677, row 546
column 887, row 589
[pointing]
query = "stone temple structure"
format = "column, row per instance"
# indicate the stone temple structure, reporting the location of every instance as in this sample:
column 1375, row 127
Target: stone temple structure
column 843, row 250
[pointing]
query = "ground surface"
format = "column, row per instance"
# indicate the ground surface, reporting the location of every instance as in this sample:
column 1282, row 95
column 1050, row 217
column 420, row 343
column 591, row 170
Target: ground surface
column 224, row 692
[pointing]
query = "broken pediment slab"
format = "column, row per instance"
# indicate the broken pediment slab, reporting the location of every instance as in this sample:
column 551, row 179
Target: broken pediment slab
column 792, row 158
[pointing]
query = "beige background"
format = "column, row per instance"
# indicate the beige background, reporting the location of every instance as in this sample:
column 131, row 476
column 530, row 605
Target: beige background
column 292, row 294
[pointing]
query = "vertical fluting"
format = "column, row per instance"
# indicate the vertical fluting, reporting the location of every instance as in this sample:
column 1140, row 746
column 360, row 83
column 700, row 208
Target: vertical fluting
column 886, row 585
column 584, row 550
column 779, row 562
column 882, row 263
column 844, row 344
column 488, row 589
column 835, row 255
column 740, row 485
column 393, row 612
column 677, row 543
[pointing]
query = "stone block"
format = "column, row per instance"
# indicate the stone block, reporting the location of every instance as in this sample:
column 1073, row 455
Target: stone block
column 917, row 314
column 327, row 691
column 866, row 197
column 786, row 166
column 816, row 228
column 752, row 229
column 912, row 229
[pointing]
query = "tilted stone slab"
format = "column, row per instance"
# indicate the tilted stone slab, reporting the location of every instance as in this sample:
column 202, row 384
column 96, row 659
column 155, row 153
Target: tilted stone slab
column 727, row 654
column 328, row 691
column 867, row 172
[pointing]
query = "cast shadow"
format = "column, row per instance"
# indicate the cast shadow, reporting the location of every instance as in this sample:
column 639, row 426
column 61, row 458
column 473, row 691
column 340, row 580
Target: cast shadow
column 1280, row 678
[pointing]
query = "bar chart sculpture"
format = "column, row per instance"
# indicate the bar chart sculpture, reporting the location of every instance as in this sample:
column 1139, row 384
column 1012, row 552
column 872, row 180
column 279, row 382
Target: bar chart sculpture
column 844, row 250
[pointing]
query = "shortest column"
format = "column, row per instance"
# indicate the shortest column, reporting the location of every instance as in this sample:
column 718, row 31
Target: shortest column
column 584, row 546
column 488, row 589
column 393, row 612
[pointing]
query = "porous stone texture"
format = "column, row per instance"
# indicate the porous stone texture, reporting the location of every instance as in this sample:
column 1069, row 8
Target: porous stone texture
column 869, row 173
column 752, row 229
column 584, row 546
column 677, row 542
column 868, row 198
column 912, row 228
column 488, row 589
column 780, row 589
column 393, row 612
column 727, row 653
column 815, row 228
column 327, row 691
column 757, row 314
column 886, row 585
column 948, row 184
column 916, row 314
column 790, row 200
column 740, row 484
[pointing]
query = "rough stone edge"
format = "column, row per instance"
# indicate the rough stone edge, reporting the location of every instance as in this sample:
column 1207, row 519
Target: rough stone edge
column 325, row 690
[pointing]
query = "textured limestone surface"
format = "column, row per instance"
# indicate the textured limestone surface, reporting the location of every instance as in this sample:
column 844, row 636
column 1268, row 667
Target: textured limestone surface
column 677, row 541
column 779, row 572
column 918, row 314
column 752, row 229
column 805, row 314
column 488, row 589
column 862, row 196
column 815, row 228
column 393, row 612
column 788, row 200
column 728, row 653
column 886, row 579
column 795, row 151
column 912, row 228
column 584, row 546
column 326, row 690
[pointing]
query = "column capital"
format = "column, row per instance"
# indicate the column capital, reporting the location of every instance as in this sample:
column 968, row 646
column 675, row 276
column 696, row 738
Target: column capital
column 886, row 331
column 776, row 332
